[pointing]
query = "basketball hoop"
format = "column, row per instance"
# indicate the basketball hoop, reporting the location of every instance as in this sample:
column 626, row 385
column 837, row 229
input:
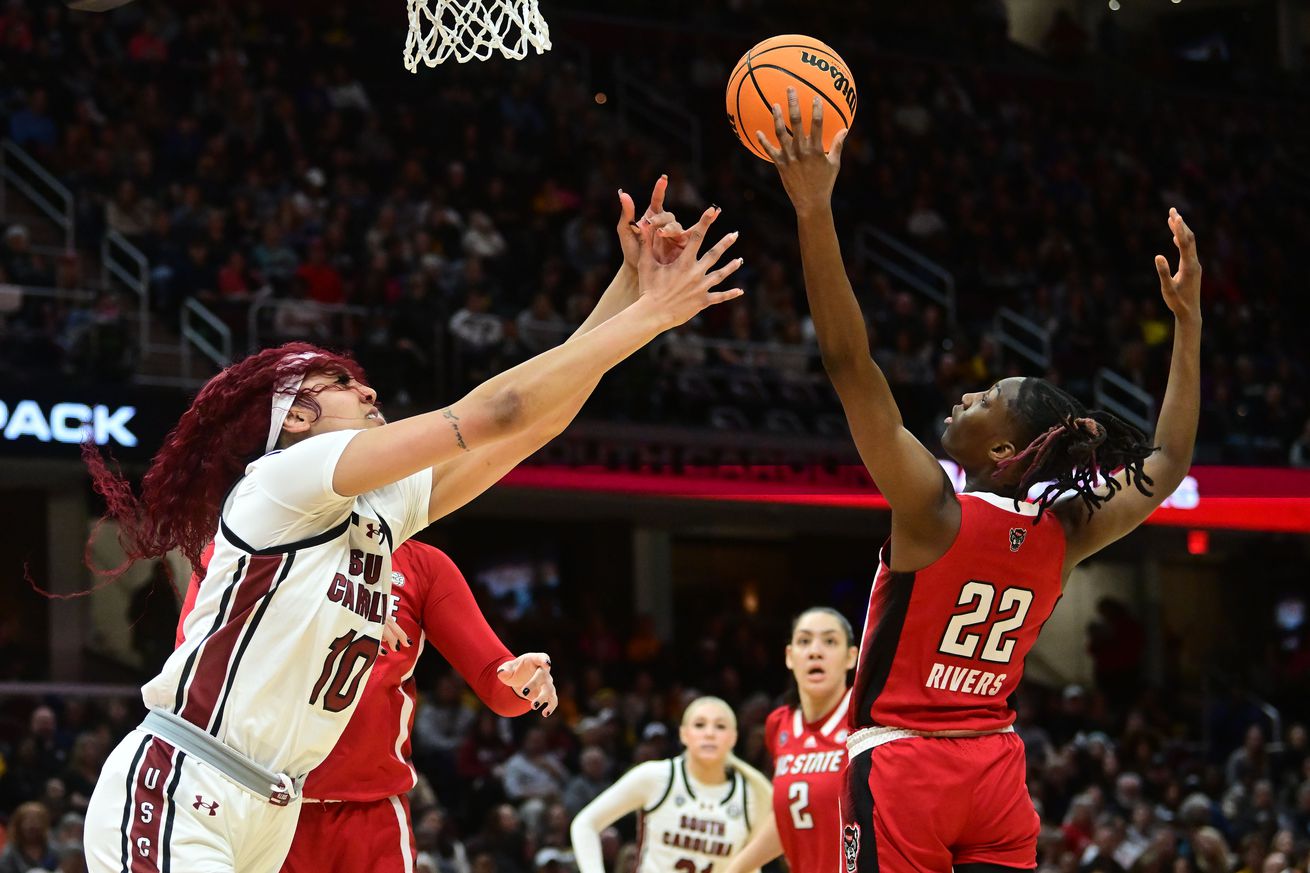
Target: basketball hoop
column 471, row 30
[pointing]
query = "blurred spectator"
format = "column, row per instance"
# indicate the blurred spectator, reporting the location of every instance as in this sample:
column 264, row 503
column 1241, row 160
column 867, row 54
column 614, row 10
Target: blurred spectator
column 29, row 845
column 590, row 782
column 32, row 127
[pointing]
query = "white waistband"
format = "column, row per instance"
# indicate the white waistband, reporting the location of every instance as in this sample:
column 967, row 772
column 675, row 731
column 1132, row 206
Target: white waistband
column 870, row 738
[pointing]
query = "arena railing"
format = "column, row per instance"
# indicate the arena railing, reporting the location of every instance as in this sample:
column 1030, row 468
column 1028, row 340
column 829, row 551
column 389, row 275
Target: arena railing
column 915, row 269
column 1023, row 336
column 124, row 262
column 1114, row 393
column 42, row 189
column 644, row 110
column 218, row 348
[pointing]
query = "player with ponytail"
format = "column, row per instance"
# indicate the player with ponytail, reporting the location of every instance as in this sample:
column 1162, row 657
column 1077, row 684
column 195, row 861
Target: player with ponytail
column 807, row 743
column 285, row 461
column 936, row 778
column 696, row 810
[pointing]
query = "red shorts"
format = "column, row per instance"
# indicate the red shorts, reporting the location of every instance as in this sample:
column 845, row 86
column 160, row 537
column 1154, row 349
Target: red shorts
column 922, row 804
column 350, row 836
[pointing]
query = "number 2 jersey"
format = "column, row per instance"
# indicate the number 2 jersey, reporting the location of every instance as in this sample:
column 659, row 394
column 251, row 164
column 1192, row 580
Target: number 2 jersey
column 287, row 624
column 371, row 760
column 809, row 764
column 944, row 646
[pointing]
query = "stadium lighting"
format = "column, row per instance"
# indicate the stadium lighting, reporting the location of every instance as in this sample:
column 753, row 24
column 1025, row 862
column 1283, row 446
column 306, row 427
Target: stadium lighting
column 1114, row 5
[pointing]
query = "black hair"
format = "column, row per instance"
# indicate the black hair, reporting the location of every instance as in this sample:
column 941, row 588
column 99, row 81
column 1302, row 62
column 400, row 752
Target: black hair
column 827, row 610
column 1070, row 447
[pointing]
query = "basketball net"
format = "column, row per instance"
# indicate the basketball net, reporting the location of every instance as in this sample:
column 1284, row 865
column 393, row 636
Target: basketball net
column 471, row 30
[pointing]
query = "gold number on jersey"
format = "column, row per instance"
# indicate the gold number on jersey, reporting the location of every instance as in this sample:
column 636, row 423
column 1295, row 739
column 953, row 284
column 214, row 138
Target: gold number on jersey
column 1008, row 617
column 799, row 795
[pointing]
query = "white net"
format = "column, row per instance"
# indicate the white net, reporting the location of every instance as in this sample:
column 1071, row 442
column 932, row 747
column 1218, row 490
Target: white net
column 471, row 30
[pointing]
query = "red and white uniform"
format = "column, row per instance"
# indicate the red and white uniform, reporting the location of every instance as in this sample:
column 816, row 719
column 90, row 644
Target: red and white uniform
column 281, row 641
column 370, row 769
column 943, row 649
column 809, row 765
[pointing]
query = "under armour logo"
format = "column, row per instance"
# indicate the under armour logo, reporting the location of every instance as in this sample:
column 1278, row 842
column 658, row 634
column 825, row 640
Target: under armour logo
column 371, row 529
column 1017, row 535
column 202, row 804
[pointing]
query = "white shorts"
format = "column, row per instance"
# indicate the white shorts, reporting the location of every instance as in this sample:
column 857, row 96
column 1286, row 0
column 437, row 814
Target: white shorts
column 157, row 809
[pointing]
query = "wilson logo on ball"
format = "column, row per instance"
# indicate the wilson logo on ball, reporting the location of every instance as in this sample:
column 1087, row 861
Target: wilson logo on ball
column 761, row 79
column 840, row 81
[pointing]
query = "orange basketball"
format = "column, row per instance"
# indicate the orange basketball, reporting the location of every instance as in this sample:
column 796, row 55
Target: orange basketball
column 763, row 75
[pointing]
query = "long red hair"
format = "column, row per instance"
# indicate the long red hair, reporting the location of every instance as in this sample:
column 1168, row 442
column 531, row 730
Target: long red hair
column 224, row 429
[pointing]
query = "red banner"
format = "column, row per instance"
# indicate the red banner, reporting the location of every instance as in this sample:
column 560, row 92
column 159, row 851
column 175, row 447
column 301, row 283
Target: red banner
column 1237, row 498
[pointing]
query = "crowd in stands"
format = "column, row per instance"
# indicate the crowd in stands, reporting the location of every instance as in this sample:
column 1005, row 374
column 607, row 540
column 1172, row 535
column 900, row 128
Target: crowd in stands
column 1118, row 771
column 468, row 214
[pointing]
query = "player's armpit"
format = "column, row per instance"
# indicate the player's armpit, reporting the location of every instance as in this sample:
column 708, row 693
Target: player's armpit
column 1116, row 517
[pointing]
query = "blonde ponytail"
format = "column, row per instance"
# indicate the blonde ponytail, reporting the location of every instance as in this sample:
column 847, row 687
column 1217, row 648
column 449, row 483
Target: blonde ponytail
column 756, row 781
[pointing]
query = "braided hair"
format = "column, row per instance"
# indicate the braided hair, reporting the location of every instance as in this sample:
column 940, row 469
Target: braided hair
column 1071, row 448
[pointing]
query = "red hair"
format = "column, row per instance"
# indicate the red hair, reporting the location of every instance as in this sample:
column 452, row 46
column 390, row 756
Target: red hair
column 224, row 429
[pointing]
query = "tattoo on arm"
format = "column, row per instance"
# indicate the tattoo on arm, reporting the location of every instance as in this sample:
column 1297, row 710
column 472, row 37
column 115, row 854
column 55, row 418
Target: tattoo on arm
column 454, row 425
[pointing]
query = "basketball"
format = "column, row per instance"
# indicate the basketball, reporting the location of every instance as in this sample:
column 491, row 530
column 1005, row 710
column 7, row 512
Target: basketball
column 763, row 75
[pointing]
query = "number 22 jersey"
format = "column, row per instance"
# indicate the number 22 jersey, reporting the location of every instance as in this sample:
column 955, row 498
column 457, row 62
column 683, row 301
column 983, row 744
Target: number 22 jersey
column 809, row 763
column 944, row 646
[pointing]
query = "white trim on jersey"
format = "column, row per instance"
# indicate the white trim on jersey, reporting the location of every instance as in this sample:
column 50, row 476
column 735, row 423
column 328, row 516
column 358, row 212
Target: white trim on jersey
column 797, row 722
column 838, row 714
column 1006, row 503
column 403, row 825
column 406, row 708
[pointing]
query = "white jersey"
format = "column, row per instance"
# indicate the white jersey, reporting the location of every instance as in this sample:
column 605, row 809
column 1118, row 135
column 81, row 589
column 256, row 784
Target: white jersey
column 685, row 826
column 288, row 623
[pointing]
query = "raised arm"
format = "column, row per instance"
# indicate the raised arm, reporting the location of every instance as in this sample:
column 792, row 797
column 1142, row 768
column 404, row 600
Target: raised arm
column 512, row 402
column 458, row 481
column 905, row 472
column 1175, row 430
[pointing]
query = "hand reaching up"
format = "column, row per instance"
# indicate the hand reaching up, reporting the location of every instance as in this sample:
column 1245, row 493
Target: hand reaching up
column 679, row 290
column 1182, row 290
column 670, row 238
column 808, row 173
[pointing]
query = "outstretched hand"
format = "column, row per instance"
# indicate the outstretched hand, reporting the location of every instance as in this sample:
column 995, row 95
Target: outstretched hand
column 670, row 238
column 678, row 291
column 1181, row 290
column 529, row 676
column 808, row 173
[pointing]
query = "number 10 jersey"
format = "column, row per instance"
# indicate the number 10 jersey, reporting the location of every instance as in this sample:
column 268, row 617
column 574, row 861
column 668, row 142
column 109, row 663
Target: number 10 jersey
column 944, row 646
column 287, row 624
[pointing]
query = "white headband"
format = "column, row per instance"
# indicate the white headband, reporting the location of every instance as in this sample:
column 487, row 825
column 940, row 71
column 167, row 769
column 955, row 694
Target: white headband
column 284, row 395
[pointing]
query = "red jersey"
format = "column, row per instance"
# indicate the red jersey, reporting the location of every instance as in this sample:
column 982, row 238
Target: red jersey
column 944, row 646
column 809, row 764
column 433, row 601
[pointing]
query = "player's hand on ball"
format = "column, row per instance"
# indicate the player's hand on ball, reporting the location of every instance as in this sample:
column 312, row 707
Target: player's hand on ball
column 670, row 238
column 808, row 173
column 1182, row 290
column 529, row 676
column 393, row 638
column 681, row 289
